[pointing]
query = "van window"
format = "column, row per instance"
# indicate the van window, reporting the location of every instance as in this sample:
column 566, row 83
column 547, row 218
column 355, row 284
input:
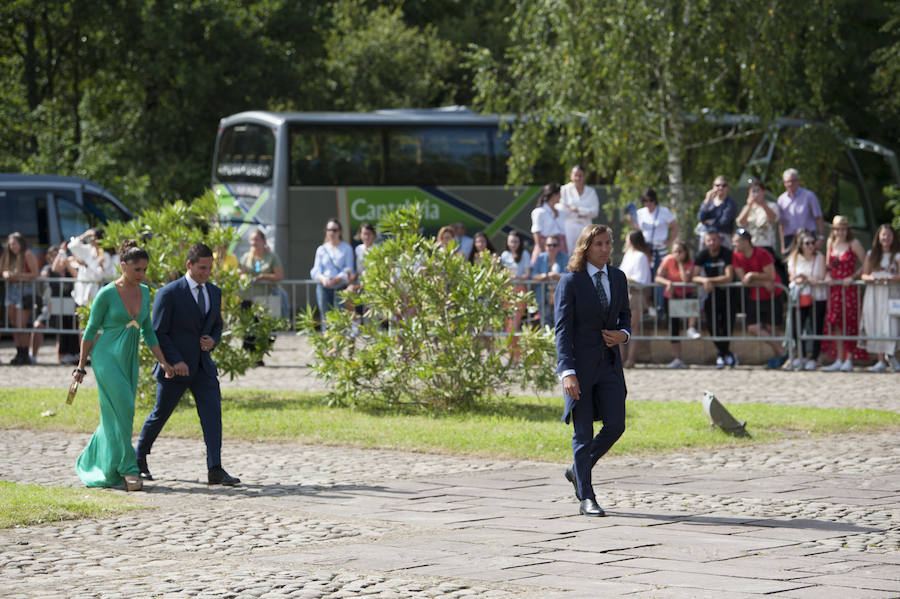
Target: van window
column 25, row 211
column 72, row 219
column 102, row 210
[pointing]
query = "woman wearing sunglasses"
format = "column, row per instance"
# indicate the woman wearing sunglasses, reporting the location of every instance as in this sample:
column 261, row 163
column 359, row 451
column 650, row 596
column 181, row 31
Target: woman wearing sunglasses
column 333, row 268
column 717, row 212
column 806, row 269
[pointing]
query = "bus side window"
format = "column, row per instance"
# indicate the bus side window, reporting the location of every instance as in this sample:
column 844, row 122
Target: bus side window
column 72, row 219
column 338, row 156
column 439, row 155
column 25, row 212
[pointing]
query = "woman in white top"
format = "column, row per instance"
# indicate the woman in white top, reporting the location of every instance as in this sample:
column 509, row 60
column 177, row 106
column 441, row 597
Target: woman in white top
column 95, row 265
column 578, row 203
column 333, row 268
column 546, row 220
column 660, row 229
column 760, row 217
column 367, row 237
column 881, row 268
column 516, row 258
column 636, row 266
column 806, row 272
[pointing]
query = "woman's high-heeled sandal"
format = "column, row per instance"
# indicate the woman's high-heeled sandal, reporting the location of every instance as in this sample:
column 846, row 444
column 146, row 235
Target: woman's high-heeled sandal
column 133, row 483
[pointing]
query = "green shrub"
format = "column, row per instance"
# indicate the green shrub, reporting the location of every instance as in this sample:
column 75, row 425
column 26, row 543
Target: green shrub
column 433, row 332
column 892, row 193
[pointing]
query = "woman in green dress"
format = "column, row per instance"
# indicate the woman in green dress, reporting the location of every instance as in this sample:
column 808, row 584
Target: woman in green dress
column 118, row 312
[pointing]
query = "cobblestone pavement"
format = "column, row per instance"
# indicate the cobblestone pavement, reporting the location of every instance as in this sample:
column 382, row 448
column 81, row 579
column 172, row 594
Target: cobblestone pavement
column 802, row 518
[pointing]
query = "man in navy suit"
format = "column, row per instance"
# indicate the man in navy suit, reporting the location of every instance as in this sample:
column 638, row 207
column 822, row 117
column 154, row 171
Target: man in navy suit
column 592, row 319
column 187, row 318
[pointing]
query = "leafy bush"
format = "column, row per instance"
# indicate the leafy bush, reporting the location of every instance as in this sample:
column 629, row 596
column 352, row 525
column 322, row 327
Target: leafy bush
column 433, row 331
column 892, row 193
column 167, row 233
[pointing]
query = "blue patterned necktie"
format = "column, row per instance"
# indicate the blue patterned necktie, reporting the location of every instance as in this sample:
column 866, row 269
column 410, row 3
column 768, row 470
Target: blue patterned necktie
column 201, row 299
column 601, row 293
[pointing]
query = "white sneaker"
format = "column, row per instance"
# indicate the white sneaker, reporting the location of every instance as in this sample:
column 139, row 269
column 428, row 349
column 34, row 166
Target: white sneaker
column 810, row 365
column 895, row 365
column 797, row 364
column 720, row 362
column 676, row 363
column 693, row 333
column 878, row 366
column 834, row 367
column 847, row 366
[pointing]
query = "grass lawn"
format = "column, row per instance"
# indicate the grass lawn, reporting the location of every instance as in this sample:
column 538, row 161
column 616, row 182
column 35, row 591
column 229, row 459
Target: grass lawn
column 517, row 428
column 23, row 505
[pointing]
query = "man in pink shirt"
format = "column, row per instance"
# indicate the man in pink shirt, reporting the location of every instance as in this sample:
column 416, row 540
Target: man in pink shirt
column 799, row 209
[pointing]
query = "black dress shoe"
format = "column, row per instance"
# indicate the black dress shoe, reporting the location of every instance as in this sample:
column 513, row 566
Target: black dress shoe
column 589, row 507
column 218, row 476
column 570, row 476
column 142, row 466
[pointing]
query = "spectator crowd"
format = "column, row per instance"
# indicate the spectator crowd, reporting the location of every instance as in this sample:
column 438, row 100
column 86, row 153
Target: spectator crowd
column 737, row 272
column 751, row 257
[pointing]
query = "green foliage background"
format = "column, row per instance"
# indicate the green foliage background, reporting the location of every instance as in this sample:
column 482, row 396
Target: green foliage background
column 129, row 92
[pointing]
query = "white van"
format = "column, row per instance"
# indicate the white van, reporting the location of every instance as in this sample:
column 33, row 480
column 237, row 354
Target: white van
column 49, row 209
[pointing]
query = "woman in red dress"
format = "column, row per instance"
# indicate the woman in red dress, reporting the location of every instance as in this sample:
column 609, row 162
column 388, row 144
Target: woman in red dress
column 844, row 265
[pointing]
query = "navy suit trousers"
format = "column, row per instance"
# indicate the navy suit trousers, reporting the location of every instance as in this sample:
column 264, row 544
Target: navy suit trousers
column 207, row 396
column 607, row 396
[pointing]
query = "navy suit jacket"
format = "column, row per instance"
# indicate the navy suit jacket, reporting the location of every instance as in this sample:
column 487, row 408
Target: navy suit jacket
column 179, row 325
column 579, row 342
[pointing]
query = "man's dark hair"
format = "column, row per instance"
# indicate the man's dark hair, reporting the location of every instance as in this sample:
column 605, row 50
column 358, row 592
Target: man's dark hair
column 197, row 251
column 650, row 195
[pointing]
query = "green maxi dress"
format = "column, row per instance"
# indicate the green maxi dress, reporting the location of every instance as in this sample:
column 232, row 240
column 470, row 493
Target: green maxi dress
column 109, row 455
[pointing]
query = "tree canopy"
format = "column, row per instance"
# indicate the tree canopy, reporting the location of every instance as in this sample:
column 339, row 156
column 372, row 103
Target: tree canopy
column 630, row 85
column 129, row 93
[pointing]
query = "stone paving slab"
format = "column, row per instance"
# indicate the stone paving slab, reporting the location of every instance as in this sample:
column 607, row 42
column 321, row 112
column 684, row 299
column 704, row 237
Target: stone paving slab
column 802, row 518
column 347, row 525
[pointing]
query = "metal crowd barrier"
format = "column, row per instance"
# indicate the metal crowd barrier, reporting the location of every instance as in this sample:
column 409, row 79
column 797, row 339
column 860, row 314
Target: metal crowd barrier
column 737, row 306
column 48, row 301
column 54, row 305
column 861, row 288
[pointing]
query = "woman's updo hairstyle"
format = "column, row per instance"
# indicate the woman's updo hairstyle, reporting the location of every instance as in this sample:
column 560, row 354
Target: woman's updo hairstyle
column 130, row 252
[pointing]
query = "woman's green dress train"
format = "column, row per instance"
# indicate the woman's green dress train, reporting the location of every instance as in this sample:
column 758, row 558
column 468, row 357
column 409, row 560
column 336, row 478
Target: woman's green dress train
column 109, row 456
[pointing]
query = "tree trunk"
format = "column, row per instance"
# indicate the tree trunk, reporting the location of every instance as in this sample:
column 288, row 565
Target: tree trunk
column 674, row 156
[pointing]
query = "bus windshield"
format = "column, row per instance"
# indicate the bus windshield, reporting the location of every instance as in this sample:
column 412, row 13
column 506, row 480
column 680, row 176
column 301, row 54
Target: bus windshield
column 246, row 154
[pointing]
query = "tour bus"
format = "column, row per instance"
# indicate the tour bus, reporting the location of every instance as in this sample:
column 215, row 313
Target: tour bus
column 288, row 173
column 49, row 209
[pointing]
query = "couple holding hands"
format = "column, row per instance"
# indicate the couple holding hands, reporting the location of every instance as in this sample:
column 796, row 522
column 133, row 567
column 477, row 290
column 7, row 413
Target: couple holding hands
column 186, row 325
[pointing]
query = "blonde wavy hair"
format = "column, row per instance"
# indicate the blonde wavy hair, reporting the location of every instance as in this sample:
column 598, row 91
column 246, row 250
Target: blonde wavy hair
column 578, row 259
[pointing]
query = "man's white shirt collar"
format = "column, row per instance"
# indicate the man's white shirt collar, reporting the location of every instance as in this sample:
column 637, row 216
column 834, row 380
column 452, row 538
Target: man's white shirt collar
column 592, row 270
column 191, row 282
